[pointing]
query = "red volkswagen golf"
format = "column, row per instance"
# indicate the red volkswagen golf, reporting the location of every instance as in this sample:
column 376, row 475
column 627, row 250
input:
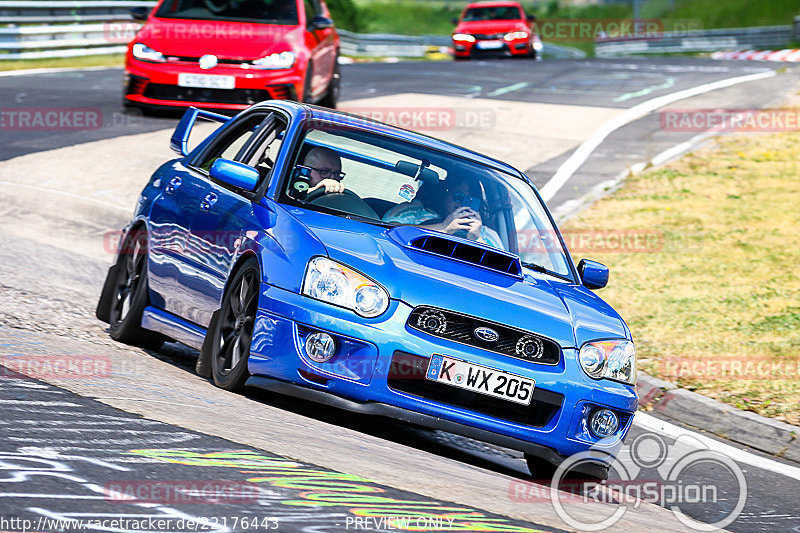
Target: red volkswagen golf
column 230, row 54
column 498, row 28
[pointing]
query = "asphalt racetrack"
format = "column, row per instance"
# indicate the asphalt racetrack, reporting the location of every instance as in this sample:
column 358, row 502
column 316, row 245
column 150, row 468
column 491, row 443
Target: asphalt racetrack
column 143, row 438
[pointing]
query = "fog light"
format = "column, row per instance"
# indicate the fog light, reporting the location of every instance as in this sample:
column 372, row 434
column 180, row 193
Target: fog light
column 320, row 347
column 604, row 423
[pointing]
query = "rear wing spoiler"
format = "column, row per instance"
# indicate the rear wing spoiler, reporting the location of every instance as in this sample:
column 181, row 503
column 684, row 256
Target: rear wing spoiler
column 180, row 137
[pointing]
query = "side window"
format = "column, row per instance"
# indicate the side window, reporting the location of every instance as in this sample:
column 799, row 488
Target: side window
column 311, row 9
column 231, row 143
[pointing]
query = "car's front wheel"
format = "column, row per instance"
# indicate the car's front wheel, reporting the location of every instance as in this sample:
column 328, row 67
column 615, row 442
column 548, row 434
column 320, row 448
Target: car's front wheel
column 331, row 98
column 233, row 329
column 130, row 294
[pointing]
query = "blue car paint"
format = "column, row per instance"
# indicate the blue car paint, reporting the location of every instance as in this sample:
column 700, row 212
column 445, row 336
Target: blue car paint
column 188, row 273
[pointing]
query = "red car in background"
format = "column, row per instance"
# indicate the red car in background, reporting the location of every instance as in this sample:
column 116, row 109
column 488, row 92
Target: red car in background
column 230, row 54
column 496, row 28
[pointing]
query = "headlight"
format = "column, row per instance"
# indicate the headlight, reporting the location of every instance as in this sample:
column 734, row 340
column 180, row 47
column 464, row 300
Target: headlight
column 145, row 53
column 275, row 61
column 332, row 282
column 463, row 37
column 514, row 35
column 537, row 45
column 609, row 359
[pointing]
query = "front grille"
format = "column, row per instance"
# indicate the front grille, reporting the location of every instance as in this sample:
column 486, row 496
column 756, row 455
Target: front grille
column 160, row 91
column 472, row 331
column 495, row 52
column 407, row 374
column 488, row 36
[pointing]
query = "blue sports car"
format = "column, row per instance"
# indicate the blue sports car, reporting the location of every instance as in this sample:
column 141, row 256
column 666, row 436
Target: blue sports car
column 352, row 263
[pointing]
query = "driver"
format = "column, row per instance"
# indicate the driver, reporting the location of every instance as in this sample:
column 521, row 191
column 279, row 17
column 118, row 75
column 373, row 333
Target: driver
column 326, row 170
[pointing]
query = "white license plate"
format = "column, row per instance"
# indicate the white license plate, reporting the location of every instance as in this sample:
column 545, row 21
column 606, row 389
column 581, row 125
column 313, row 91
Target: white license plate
column 489, row 45
column 206, row 81
column 477, row 378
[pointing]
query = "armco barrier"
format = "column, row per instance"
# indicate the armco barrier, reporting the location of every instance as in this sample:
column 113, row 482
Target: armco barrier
column 64, row 28
column 701, row 41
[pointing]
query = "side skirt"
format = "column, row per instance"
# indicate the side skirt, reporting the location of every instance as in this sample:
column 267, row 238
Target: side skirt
column 173, row 327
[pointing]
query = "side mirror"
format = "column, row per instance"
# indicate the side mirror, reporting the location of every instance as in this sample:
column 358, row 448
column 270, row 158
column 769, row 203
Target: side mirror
column 139, row 13
column 321, row 22
column 593, row 275
column 235, row 174
column 531, row 18
column 454, row 20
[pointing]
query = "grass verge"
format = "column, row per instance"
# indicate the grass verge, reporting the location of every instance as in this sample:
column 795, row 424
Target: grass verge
column 717, row 308
column 113, row 60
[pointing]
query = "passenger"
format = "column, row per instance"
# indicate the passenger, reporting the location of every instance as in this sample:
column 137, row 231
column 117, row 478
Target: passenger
column 326, row 170
column 445, row 209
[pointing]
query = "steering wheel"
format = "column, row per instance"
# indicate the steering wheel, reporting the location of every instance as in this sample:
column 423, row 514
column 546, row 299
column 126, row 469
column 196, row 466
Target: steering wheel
column 346, row 201
column 317, row 194
column 217, row 6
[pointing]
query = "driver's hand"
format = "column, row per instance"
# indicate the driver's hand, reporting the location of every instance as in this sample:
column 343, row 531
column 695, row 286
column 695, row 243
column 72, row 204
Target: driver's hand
column 474, row 231
column 331, row 186
column 459, row 224
column 461, row 212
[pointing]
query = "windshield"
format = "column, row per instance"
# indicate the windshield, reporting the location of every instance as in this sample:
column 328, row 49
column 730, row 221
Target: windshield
column 385, row 181
column 272, row 11
column 492, row 13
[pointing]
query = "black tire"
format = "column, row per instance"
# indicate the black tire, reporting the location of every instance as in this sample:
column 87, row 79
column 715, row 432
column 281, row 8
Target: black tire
column 331, row 98
column 539, row 468
column 307, row 87
column 543, row 470
column 129, row 297
column 233, row 330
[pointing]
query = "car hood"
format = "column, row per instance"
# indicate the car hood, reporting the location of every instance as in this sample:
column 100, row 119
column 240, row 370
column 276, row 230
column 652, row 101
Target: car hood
column 224, row 39
column 567, row 313
column 491, row 26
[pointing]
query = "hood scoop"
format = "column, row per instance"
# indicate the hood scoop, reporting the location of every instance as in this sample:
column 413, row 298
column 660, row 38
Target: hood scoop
column 458, row 249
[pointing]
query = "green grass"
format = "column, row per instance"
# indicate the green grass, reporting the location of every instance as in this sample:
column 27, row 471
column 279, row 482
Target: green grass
column 735, row 13
column 724, row 288
column 114, row 60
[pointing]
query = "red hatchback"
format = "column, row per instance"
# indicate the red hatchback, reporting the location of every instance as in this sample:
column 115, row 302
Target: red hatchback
column 495, row 29
column 230, row 54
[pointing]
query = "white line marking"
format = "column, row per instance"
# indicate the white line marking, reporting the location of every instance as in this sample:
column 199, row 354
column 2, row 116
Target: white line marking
column 679, row 149
column 31, row 402
column 508, row 89
column 579, row 157
column 64, row 193
column 32, row 71
column 651, row 423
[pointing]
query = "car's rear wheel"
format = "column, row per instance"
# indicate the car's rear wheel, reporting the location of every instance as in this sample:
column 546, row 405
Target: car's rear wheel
column 130, row 294
column 233, row 330
column 307, row 88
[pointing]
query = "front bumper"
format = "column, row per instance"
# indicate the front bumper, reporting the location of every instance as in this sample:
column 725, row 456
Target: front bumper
column 156, row 85
column 520, row 47
column 365, row 372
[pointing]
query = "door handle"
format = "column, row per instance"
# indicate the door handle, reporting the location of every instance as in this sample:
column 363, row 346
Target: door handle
column 173, row 184
column 208, row 202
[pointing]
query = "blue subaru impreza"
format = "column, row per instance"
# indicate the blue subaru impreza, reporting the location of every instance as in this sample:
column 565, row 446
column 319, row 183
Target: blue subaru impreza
column 352, row 263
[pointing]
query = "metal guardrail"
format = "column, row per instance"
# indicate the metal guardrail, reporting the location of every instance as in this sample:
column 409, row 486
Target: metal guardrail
column 757, row 38
column 385, row 44
column 99, row 26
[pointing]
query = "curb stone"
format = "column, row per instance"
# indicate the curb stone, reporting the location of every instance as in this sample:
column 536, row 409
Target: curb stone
column 743, row 427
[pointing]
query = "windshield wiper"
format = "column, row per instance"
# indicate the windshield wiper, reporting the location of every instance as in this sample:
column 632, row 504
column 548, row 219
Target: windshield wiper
column 544, row 270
